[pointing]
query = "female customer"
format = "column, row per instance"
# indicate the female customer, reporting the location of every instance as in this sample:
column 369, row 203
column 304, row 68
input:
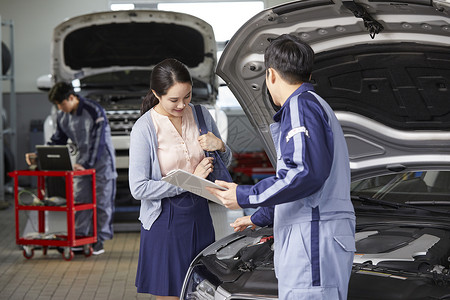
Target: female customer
column 176, row 224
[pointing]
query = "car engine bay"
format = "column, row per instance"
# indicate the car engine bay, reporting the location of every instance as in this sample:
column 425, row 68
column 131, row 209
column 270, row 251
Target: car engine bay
column 392, row 255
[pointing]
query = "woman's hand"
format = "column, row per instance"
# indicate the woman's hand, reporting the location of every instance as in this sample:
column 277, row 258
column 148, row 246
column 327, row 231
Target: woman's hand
column 209, row 142
column 242, row 223
column 204, row 167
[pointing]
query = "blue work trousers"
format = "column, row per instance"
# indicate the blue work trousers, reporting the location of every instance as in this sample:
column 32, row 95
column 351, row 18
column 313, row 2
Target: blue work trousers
column 313, row 260
column 105, row 192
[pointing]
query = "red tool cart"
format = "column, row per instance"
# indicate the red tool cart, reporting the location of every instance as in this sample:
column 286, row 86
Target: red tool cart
column 250, row 167
column 65, row 241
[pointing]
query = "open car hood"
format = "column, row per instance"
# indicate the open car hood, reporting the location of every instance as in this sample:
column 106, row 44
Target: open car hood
column 384, row 67
column 132, row 40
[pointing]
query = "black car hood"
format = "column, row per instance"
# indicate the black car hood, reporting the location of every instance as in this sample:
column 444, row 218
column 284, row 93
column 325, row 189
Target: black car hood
column 115, row 41
column 384, row 67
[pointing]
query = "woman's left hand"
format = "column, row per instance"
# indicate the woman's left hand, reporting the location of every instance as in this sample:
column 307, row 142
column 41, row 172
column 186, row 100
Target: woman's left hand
column 205, row 167
column 209, row 142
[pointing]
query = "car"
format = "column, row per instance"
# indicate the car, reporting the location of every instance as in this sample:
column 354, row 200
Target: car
column 108, row 56
column 384, row 68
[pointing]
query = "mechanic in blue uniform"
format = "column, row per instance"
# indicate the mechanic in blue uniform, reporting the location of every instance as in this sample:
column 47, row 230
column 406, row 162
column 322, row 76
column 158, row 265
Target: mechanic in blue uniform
column 84, row 122
column 308, row 200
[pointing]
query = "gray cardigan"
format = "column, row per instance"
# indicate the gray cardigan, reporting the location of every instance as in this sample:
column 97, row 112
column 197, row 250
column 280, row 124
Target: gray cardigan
column 144, row 172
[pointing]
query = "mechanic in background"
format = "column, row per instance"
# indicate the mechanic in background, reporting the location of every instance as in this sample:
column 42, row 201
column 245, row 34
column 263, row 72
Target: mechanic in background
column 84, row 122
column 308, row 200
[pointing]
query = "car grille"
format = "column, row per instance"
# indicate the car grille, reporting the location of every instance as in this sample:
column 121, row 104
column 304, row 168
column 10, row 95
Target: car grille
column 121, row 121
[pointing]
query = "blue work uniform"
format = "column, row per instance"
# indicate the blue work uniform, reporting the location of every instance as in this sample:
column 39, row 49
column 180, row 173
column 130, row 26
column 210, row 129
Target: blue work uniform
column 308, row 201
column 89, row 131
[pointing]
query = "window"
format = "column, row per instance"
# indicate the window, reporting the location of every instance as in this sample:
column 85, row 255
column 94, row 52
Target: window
column 225, row 17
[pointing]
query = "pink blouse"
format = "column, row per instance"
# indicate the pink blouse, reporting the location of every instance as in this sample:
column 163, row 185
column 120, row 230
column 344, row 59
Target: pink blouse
column 175, row 151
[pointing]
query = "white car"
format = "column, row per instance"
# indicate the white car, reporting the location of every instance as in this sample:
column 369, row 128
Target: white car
column 109, row 56
column 384, row 67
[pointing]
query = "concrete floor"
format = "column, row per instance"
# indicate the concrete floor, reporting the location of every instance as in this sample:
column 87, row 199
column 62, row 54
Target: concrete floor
column 107, row 276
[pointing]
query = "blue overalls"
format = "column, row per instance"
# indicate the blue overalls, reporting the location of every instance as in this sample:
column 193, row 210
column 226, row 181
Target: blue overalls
column 308, row 200
column 89, row 130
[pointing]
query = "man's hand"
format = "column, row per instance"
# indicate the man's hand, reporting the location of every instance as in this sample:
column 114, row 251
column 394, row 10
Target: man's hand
column 78, row 167
column 242, row 223
column 30, row 158
column 227, row 197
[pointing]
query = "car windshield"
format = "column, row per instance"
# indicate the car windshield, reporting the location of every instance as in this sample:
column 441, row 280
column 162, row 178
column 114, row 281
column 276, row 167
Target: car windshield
column 416, row 188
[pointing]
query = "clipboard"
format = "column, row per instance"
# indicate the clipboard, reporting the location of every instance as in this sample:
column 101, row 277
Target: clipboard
column 193, row 184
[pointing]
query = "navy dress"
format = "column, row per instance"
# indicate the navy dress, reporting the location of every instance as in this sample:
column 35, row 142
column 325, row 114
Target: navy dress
column 182, row 230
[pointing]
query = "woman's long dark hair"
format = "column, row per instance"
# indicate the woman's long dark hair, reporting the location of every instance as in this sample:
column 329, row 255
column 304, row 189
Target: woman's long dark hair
column 164, row 75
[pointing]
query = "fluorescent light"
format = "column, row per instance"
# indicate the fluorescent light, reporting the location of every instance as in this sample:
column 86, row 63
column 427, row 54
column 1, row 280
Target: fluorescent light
column 122, row 6
column 225, row 17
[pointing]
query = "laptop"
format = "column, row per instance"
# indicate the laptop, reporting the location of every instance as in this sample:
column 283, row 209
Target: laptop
column 54, row 158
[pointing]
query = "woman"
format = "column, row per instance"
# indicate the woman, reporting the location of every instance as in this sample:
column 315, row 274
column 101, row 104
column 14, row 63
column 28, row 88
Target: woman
column 176, row 225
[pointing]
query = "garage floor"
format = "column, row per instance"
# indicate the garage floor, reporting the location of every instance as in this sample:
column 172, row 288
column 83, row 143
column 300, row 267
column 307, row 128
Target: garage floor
column 107, row 276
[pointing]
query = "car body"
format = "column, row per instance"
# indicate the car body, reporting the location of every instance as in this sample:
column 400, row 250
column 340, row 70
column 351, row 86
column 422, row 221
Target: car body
column 384, row 68
column 108, row 56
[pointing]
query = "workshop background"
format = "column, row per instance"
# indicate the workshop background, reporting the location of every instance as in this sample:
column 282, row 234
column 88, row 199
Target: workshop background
column 33, row 23
column 26, row 35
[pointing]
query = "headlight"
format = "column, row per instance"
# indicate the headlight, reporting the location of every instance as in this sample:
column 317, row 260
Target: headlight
column 204, row 290
column 198, row 287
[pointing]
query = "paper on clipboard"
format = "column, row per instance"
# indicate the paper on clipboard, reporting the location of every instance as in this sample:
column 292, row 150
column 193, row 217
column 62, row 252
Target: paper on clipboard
column 193, row 184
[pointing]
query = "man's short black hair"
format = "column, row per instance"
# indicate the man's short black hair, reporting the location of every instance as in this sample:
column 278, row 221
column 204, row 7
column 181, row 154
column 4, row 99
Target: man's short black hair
column 291, row 57
column 59, row 92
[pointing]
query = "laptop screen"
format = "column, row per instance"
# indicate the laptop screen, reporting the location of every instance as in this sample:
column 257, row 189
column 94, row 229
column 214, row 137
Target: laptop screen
column 54, row 158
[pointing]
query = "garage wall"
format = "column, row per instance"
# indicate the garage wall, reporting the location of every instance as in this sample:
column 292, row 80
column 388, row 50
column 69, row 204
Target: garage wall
column 33, row 25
